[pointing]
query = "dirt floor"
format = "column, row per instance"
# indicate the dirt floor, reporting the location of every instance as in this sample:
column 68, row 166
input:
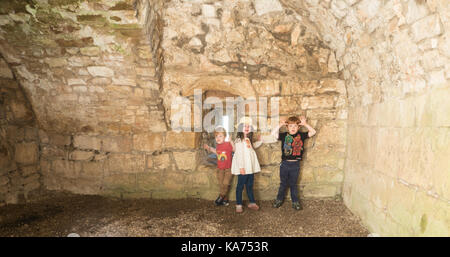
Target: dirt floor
column 96, row 216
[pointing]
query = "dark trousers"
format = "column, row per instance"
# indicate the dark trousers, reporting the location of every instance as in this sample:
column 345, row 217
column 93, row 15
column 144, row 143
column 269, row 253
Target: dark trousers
column 246, row 180
column 289, row 172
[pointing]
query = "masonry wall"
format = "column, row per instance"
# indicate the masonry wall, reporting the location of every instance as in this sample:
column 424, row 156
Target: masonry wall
column 101, row 76
column 395, row 56
column 20, row 177
column 372, row 77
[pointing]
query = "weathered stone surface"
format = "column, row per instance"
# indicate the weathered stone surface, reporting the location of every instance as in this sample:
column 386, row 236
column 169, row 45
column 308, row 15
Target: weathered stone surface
column 59, row 140
column 182, row 140
column 125, row 163
column 86, row 142
column 100, row 71
column 81, row 155
column 26, row 153
column 185, row 160
column 322, row 101
column 266, row 6
column 161, row 161
column 427, row 27
column 148, row 142
column 117, row 144
column 267, row 87
column 90, row 51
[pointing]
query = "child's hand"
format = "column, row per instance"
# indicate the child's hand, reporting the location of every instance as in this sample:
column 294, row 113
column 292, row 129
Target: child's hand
column 283, row 122
column 242, row 171
column 259, row 137
column 206, row 146
column 302, row 121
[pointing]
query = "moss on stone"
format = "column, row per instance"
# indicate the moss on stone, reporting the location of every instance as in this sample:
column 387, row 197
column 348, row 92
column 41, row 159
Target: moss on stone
column 91, row 18
column 62, row 2
column 121, row 6
column 15, row 6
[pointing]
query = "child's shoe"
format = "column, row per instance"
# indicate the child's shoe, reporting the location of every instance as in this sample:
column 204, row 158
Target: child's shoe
column 218, row 201
column 225, row 202
column 277, row 203
column 253, row 206
column 239, row 208
column 297, row 206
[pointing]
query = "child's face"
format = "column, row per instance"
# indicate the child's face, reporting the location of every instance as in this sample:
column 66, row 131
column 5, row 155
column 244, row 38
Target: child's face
column 292, row 128
column 220, row 138
column 246, row 129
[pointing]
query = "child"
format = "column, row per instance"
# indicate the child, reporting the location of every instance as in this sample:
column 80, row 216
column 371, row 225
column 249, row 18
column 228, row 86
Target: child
column 223, row 152
column 245, row 163
column 292, row 143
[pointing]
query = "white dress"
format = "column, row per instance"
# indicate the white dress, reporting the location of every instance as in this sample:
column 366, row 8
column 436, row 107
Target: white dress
column 245, row 157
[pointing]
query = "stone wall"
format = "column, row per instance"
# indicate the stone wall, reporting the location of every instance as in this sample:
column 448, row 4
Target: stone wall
column 101, row 76
column 246, row 49
column 19, row 142
column 395, row 56
column 372, row 77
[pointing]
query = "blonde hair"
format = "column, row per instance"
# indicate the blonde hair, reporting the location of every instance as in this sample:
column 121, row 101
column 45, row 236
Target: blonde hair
column 220, row 130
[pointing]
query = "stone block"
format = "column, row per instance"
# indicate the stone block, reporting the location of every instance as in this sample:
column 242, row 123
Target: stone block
column 160, row 161
column 28, row 170
column 26, row 153
column 92, row 169
column 331, row 85
column 56, row 62
column 3, row 181
column 126, row 163
column 290, row 105
column 295, row 87
column 100, row 71
column 327, row 174
column 59, row 140
column 52, row 152
column 117, row 144
column 174, row 181
column 31, row 179
column 182, row 140
column 66, row 168
column 148, row 181
column 86, row 142
column 269, row 154
column 78, row 155
column 318, row 101
column 148, row 142
column 185, row 160
column 267, row 87
column 320, row 190
column 331, row 133
column 306, row 174
column 427, row 27
column 145, row 71
column 20, row 110
column 90, row 50
column 120, row 183
column 266, row 6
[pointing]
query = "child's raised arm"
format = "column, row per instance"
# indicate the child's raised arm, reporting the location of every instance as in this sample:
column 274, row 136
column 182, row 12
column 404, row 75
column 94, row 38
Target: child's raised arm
column 311, row 130
column 209, row 148
column 234, row 147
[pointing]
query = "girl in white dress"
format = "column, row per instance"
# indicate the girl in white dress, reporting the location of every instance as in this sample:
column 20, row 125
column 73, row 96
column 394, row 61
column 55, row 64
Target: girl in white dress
column 245, row 163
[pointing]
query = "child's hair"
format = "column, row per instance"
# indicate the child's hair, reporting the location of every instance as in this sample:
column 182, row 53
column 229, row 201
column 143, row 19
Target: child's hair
column 220, row 130
column 240, row 133
column 293, row 120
